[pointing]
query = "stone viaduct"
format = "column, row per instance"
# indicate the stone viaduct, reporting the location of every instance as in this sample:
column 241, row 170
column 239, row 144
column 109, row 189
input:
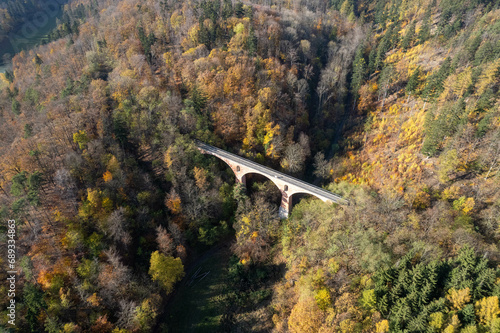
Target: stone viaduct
column 287, row 185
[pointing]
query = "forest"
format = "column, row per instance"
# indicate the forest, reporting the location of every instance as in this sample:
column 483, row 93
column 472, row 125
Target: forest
column 392, row 104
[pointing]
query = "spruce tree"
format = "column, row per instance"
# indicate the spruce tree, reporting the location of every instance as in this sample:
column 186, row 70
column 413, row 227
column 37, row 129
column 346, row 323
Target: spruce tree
column 251, row 42
column 358, row 73
column 467, row 315
column 383, row 47
column 425, row 30
column 227, row 9
column 28, row 131
column 485, row 52
column 432, row 134
column 408, row 38
column 34, row 303
column 395, row 37
column 434, row 85
column 371, row 60
column 9, row 76
column 413, row 81
column 380, row 14
column 16, row 107
column 418, row 276
column 18, row 184
column 418, row 323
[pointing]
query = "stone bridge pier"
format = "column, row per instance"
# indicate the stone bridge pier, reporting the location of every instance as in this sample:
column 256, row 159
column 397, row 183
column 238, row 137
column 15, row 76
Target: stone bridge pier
column 240, row 172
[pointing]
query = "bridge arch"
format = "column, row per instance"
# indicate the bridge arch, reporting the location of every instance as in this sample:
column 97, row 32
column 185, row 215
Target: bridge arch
column 284, row 188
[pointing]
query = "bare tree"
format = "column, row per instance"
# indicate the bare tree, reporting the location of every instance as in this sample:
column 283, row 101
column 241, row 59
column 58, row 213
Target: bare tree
column 176, row 233
column 126, row 315
column 113, row 277
column 302, row 89
column 308, row 72
column 493, row 153
column 65, row 183
column 165, row 241
column 321, row 166
column 117, row 225
column 304, row 143
column 295, row 156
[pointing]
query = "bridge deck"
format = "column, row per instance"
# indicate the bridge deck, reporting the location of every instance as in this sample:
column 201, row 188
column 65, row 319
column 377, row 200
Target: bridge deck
column 315, row 190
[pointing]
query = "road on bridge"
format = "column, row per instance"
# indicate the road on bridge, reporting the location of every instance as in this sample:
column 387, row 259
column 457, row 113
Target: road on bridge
column 270, row 173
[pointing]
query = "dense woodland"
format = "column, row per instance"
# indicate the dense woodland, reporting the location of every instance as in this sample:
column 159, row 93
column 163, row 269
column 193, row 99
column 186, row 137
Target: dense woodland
column 393, row 104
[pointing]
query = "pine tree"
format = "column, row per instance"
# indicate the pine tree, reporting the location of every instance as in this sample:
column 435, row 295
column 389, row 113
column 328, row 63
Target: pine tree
column 485, row 279
column 395, row 36
column 397, row 290
column 401, row 313
column 198, row 98
column 347, row 8
column 238, row 10
column 426, row 293
column 34, row 186
column 433, row 275
column 473, row 273
column 413, row 300
column 37, row 60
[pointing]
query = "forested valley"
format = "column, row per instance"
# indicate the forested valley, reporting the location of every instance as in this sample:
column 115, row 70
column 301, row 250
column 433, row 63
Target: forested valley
column 14, row 13
column 392, row 104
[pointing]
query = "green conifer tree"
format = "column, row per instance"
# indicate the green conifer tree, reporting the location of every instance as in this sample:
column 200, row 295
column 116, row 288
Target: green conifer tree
column 413, row 81
column 425, row 30
column 408, row 38
column 358, row 72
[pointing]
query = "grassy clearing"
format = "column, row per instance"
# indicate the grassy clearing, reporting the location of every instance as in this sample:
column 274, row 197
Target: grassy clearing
column 195, row 306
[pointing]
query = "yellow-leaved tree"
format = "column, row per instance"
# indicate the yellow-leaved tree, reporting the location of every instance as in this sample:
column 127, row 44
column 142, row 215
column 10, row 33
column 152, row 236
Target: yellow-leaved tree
column 487, row 310
column 306, row 316
column 166, row 270
column 382, row 327
column 458, row 298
